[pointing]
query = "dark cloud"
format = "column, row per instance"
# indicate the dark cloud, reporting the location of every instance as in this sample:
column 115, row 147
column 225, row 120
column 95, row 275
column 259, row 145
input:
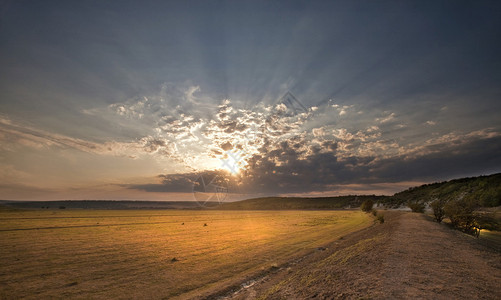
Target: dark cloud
column 475, row 157
column 284, row 169
column 179, row 183
column 295, row 160
column 226, row 146
column 386, row 91
column 153, row 145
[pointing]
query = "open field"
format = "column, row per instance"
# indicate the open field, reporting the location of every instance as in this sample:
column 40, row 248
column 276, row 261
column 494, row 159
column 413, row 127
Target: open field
column 154, row 254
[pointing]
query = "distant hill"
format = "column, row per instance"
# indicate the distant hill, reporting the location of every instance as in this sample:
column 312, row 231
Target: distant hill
column 487, row 189
column 284, row 203
column 101, row 204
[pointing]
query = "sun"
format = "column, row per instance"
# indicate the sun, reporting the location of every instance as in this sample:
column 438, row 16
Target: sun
column 233, row 162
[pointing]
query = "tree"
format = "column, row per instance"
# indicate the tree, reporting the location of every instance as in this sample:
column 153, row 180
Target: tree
column 367, row 205
column 438, row 209
column 461, row 212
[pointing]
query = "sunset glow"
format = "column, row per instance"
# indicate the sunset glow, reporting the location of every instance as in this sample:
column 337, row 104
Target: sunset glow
column 286, row 99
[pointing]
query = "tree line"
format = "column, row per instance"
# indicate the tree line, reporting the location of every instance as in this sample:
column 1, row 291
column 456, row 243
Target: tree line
column 460, row 201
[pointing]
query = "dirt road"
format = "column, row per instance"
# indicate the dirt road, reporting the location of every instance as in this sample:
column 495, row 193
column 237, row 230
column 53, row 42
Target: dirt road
column 407, row 257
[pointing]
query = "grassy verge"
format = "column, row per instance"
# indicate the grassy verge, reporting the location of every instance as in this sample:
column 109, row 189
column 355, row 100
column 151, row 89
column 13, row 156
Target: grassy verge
column 491, row 239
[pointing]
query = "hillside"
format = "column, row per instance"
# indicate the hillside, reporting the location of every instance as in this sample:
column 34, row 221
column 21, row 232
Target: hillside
column 484, row 189
column 279, row 203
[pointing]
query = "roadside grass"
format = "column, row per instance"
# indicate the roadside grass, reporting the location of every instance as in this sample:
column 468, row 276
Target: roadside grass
column 491, row 239
column 153, row 254
column 339, row 257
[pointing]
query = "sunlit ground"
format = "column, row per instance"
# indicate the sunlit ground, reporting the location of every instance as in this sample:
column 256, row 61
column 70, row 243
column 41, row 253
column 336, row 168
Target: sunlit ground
column 153, row 254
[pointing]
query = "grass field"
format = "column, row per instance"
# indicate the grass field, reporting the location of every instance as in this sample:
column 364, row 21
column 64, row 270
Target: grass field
column 153, row 254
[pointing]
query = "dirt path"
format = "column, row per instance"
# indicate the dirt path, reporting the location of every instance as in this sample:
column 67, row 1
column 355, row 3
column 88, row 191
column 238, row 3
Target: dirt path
column 408, row 256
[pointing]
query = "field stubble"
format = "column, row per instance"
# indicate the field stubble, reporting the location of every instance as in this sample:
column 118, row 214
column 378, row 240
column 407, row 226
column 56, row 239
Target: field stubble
column 153, row 254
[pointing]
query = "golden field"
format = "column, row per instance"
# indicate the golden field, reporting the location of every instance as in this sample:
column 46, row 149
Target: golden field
column 153, row 254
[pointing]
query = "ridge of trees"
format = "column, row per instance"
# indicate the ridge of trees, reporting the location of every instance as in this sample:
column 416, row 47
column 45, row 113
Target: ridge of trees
column 486, row 190
column 457, row 200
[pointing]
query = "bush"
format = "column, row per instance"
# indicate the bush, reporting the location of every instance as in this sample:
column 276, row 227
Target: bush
column 416, row 206
column 461, row 212
column 367, row 205
column 438, row 209
column 380, row 218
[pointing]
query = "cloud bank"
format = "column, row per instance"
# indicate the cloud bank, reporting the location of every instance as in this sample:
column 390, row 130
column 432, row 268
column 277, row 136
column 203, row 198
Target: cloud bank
column 277, row 148
column 280, row 149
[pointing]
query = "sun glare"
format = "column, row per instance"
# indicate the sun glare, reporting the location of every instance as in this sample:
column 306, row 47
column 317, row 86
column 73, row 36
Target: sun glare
column 233, row 162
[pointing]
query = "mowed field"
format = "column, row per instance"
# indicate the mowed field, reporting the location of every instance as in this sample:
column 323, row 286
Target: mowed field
column 154, row 254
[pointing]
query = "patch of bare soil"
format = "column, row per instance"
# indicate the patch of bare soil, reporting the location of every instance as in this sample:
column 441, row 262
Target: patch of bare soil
column 409, row 256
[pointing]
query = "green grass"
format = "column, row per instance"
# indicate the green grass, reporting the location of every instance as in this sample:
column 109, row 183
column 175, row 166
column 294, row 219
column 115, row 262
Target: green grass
column 130, row 254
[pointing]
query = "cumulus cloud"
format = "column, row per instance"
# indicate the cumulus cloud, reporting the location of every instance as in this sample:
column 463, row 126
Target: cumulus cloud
column 284, row 147
column 341, row 109
column 318, row 132
column 299, row 167
column 191, row 134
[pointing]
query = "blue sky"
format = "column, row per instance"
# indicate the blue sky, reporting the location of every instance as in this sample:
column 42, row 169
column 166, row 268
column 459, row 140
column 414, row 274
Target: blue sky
column 134, row 100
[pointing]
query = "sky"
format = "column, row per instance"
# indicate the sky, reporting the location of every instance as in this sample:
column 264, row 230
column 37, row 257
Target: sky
column 147, row 100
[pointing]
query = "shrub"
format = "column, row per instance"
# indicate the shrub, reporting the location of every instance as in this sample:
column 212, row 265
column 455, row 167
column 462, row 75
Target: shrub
column 374, row 213
column 438, row 209
column 380, row 218
column 367, row 205
column 461, row 212
column 416, row 206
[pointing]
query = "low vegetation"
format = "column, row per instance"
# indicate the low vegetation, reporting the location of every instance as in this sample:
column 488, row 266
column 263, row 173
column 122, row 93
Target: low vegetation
column 485, row 189
column 367, row 205
column 380, row 218
column 462, row 202
column 416, row 206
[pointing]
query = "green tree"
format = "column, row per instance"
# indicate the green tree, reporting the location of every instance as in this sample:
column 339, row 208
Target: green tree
column 367, row 205
column 461, row 212
column 438, row 209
